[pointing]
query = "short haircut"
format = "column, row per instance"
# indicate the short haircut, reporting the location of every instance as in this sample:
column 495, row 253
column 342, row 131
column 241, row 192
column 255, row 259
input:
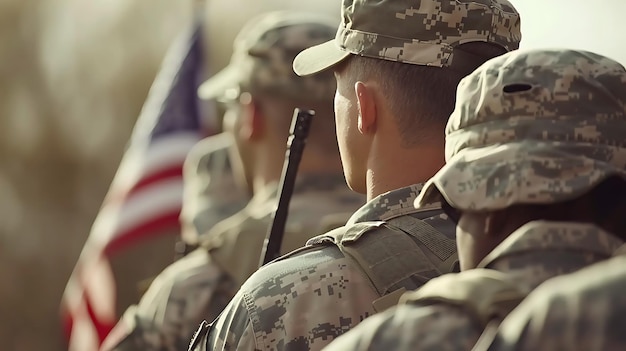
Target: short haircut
column 421, row 97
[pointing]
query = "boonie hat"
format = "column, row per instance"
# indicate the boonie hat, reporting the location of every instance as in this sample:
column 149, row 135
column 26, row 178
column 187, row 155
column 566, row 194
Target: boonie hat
column 533, row 127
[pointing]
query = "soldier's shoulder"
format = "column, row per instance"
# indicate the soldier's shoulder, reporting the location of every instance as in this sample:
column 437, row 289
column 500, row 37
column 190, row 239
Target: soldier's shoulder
column 195, row 261
column 431, row 327
column 235, row 244
column 303, row 259
column 178, row 277
column 298, row 269
column 228, row 225
column 560, row 307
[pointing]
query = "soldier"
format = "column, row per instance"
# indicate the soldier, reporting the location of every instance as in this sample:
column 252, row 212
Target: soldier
column 260, row 92
column 397, row 64
column 534, row 179
column 222, row 24
column 579, row 311
column 210, row 195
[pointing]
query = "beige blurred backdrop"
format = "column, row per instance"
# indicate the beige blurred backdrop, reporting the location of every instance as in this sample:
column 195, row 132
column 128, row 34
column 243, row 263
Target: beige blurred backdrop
column 73, row 77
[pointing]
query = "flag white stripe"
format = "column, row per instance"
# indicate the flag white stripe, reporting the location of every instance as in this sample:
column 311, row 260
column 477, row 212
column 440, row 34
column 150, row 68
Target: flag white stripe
column 147, row 203
column 141, row 162
column 84, row 336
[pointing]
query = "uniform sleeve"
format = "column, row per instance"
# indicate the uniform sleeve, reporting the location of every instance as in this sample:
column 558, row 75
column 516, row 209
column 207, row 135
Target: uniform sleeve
column 231, row 331
column 299, row 303
column 190, row 290
column 407, row 327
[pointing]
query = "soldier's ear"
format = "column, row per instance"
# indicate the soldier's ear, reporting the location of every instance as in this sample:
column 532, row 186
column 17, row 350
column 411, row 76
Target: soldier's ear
column 366, row 108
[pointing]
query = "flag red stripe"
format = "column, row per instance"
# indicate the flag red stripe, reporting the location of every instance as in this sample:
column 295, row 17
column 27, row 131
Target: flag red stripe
column 175, row 171
column 125, row 240
column 166, row 223
column 135, row 209
column 172, row 172
column 102, row 328
column 68, row 321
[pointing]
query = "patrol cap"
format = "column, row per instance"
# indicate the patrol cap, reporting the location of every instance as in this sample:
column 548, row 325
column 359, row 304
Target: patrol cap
column 263, row 53
column 533, row 127
column 420, row 32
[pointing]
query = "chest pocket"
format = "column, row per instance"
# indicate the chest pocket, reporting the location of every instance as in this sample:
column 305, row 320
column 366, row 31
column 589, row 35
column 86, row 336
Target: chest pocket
column 396, row 255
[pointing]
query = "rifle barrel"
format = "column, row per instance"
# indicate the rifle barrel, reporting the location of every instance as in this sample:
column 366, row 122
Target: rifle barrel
column 298, row 133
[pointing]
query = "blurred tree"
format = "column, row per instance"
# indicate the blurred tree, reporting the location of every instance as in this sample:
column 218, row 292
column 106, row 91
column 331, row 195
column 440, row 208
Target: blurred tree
column 73, row 76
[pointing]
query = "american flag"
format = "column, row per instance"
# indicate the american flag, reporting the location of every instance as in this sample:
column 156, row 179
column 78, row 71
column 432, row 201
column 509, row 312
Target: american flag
column 146, row 193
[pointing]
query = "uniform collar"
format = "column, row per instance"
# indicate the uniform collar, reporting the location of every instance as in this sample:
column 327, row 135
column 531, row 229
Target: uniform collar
column 389, row 205
column 540, row 250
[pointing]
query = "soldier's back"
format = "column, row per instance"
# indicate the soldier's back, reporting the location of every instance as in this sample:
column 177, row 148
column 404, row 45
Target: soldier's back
column 459, row 311
column 200, row 285
column 585, row 310
column 235, row 244
column 304, row 300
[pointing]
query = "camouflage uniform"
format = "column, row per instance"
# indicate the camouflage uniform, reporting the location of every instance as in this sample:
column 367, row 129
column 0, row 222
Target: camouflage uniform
column 304, row 300
column 580, row 311
column 534, row 253
column 157, row 320
column 541, row 127
column 198, row 286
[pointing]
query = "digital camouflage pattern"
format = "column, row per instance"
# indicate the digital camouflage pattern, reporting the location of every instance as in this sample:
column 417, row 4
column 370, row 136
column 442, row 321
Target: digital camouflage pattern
column 200, row 285
column 582, row 311
column 531, row 255
column 538, row 126
column 263, row 53
column 421, row 32
column 304, row 300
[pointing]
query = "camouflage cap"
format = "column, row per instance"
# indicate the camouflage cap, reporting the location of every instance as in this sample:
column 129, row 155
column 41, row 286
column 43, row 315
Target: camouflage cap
column 263, row 53
column 533, row 127
column 421, row 32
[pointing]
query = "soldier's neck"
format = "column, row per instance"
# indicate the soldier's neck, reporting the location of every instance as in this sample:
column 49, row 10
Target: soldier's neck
column 402, row 168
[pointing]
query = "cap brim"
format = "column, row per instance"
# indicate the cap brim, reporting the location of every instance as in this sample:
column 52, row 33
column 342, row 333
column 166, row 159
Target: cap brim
column 498, row 176
column 318, row 58
column 219, row 83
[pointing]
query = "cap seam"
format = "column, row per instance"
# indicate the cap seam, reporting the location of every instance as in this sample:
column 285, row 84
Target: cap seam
column 393, row 37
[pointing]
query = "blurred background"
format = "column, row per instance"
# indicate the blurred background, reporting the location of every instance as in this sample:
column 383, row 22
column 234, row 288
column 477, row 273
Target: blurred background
column 73, row 78
column 74, row 75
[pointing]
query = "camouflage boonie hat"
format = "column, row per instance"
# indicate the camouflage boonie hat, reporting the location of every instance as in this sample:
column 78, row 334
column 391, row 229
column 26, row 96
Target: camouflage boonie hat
column 263, row 53
column 420, row 32
column 533, row 127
